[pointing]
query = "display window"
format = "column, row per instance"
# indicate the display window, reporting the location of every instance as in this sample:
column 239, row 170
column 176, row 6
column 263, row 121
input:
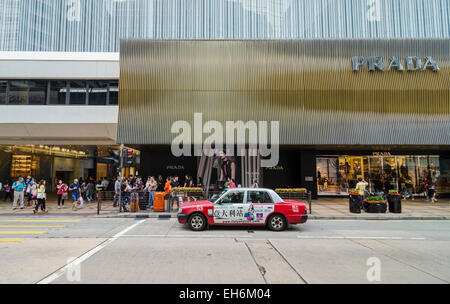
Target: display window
column 405, row 173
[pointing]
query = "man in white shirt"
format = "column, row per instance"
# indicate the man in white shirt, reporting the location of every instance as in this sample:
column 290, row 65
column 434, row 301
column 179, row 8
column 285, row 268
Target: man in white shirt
column 105, row 184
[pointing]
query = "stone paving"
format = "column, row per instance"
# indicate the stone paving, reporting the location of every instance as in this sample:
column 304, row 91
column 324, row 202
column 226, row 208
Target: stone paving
column 323, row 207
column 415, row 208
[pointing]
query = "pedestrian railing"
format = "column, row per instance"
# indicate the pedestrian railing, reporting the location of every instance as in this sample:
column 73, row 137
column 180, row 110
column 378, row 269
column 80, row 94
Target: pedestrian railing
column 305, row 197
column 142, row 197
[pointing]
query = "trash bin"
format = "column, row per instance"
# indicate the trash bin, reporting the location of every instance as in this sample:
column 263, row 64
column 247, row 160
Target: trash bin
column 395, row 203
column 167, row 202
column 355, row 203
column 159, row 203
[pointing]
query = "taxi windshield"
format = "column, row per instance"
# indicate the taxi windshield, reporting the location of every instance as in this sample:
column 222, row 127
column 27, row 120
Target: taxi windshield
column 215, row 197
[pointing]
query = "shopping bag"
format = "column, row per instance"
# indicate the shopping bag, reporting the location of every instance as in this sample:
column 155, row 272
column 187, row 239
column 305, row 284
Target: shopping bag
column 81, row 201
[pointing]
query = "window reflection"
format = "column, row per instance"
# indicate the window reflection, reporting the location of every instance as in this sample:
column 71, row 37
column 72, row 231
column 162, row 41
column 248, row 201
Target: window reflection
column 97, row 92
column 78, row 92
column 38, row 92
column 3, row 88
column 58, row 90
column 18, row 92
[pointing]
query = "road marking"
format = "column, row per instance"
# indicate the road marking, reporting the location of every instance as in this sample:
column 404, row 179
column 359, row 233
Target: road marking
column 11, row 240
column 87, row 255
column 359, row 237
column 185, row 236
column 32, row 226
column 21, row 232
column 40, row 221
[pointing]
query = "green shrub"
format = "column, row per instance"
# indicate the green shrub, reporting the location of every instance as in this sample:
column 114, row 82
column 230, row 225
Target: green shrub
column 375, row 199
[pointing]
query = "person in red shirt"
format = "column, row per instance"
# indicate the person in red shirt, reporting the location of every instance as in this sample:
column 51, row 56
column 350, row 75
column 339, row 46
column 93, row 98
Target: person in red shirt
column 61, row 191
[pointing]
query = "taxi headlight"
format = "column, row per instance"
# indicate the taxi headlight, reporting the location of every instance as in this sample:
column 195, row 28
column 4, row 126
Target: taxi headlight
column 180, row 210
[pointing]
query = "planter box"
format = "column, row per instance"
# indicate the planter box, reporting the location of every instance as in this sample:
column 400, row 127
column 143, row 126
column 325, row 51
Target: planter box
column 196, row 194
column 375, row 206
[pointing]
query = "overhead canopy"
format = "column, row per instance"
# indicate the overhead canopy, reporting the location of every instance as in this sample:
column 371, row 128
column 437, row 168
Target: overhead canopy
column 308, row 85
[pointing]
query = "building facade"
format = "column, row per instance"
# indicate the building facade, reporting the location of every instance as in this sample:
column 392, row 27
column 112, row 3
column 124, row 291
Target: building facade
column 67, row 80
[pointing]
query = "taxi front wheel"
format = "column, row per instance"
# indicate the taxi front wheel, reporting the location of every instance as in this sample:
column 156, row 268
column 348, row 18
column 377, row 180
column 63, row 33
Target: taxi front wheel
column 197, row 222
column 277, row 222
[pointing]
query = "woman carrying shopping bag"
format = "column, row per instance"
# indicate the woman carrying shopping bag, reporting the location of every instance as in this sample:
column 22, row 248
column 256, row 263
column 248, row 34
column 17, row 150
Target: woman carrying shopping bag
column 41, row 197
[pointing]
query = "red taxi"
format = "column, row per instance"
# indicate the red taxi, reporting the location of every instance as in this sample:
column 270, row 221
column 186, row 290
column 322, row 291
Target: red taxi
column 242, row 206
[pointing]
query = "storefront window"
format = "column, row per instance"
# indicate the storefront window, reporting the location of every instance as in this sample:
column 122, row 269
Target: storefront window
column 337, row 174
column 24, row 165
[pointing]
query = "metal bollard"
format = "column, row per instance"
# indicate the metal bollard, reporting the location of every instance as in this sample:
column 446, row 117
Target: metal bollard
column 310, row 202
column 99, row 202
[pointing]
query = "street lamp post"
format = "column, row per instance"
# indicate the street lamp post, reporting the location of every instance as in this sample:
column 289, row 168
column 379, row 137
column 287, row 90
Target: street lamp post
column 121, row 178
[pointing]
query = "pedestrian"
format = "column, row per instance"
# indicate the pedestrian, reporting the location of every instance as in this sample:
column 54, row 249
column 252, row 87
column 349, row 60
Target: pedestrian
column 41, row 197
column 138, row 185
column 126, row 195
column 61, row 191
column 75, row 188
column 19, row 187
column 227, row 184
column 90, row 191
column 233, row 184
column 116, row 191
column 28, row 194
column 361, row 186
column 34, row 193
column 160, row 182
column 430, row 187
column 132, row 180
column 255, row 183
column 175, row 182
column 105, row 183
column 200, row 183
column 83, row 188
column 408, row 188
column 188, row 182
column 151, row 187
column 8, row 193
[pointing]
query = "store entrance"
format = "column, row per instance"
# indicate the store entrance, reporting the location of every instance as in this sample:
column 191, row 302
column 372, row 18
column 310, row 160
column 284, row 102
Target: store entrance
column 405, row 173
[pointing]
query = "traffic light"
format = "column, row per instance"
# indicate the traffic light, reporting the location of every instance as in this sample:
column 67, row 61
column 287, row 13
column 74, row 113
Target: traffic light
column 115, row 155
column 129, row 158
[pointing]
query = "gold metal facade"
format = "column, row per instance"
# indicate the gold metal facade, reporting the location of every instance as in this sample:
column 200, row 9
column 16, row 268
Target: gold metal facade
column 307, row 85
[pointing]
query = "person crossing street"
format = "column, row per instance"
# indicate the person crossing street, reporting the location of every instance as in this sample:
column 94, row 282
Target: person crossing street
column 19, row 190
column 75, row 188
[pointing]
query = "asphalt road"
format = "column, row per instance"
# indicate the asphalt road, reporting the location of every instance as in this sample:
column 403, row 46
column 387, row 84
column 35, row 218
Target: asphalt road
column 89, row 250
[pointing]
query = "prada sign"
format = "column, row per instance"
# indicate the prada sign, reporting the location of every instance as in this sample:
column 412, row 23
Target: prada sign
column 377, row 63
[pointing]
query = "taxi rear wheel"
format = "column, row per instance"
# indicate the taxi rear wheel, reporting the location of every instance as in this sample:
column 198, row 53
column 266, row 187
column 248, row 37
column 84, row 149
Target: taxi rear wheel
column 277, row 222
column 197, row 222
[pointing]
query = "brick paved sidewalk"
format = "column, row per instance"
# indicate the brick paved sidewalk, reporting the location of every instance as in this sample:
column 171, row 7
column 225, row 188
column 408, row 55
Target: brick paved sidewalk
column 324, row 207
column 415, row 208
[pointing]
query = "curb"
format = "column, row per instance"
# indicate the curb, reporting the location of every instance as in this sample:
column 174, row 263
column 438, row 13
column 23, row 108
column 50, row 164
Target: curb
column 380, row 218
column 138, row 216
column 310, row 217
